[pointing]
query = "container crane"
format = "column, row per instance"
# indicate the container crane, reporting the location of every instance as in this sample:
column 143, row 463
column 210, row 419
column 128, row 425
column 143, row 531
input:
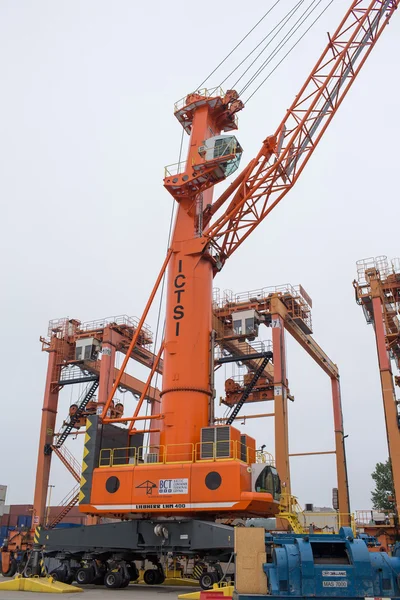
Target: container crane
column 197, row 469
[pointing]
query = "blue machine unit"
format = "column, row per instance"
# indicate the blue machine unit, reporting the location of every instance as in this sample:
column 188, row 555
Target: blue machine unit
column 327, row 566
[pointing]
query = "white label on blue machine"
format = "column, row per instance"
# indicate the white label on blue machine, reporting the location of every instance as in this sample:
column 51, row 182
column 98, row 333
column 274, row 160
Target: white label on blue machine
column 331, row 584
column 173, row 486
column 334, row 574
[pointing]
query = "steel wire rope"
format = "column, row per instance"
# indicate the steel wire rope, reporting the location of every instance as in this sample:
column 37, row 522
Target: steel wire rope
column 288, row 35
column 238, row 44
column 171, row 221
column 287, row 17
column 289, row 51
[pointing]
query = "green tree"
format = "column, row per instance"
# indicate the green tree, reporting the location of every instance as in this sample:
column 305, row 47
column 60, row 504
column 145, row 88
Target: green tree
column 384, row 488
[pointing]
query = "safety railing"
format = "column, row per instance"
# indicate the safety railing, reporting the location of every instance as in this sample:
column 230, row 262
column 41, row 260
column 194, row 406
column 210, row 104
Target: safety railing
column 380, row 263
column 175, row 169
column 395, row 262
column 296, row 299
column 122, row 320
column 64, row 328
column 243, row 349
column 373, row 518
column 222, row 450
column 207, row 93
column 74, row 373
column 262, row 456
column 302, row 521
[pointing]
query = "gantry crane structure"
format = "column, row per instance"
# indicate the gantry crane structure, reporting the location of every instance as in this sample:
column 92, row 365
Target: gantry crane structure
column 377, row 290
column 73, row 348
column 196, row 469
column 283, row 308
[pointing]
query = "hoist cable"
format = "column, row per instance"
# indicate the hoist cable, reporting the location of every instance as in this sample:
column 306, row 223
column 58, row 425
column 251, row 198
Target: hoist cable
column 171, row 222
column 285, row 18
column 290, row 50
column 238, row 44
column 288, row 35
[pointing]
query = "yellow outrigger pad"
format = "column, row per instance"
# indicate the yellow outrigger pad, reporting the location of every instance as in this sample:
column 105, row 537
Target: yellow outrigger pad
column 46, row 585
column 181, row 581
column 227, row 590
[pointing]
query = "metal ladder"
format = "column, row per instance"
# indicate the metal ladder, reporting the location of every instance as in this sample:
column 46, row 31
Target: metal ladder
column 69, row 461
column 69, row 502
column 88, row 395
column 249, row 388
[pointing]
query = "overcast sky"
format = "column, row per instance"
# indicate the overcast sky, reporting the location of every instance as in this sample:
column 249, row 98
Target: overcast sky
column 87, row 126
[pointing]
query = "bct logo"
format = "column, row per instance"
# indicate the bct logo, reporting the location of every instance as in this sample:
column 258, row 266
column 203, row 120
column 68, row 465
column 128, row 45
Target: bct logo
column 149, row 486
column 165, row 486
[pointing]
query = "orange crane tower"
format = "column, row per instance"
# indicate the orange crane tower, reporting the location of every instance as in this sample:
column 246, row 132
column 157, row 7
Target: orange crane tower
column 198, row 251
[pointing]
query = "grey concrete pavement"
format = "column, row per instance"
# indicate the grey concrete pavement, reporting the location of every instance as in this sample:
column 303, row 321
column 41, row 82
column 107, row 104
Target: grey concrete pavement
column 136, row 592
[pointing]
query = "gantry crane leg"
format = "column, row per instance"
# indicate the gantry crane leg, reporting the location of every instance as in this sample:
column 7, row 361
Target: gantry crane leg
column 341, row 465
column 47, row 428
column 106, row 380
column 280, row 407
column 106, row 366
column 388, row 393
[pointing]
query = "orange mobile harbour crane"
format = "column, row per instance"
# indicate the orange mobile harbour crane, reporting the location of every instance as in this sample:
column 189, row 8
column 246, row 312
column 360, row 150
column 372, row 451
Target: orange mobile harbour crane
column 193, row 469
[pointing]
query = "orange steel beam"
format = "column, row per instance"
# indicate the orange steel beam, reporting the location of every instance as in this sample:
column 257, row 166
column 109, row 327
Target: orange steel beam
column 341, row 463
column 134, row 431
column 48, row 423
column 284, row 155
column 107, row 363
column 245, row 417
column 312, row 453
column 280, row 403
column 388, row 393
column 147, row 385
column 127, row 381
column 126, row 419
column 137, row 333
column 308, row 343
column 212, row 209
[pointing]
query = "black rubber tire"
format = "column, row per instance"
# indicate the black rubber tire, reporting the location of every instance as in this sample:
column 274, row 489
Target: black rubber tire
column 151, row 576
column 207, row 580
column 160, row 577
column 113, row 579
column 125, row 582
column 59, row 574
column 12, row 569
column 84, row 575
column 133, row 572
column 71, row 578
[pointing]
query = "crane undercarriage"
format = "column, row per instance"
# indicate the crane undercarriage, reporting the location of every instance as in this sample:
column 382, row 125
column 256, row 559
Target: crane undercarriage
column 87, row 553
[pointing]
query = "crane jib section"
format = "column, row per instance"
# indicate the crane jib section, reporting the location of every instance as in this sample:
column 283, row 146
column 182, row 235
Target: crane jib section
column 284, row 155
